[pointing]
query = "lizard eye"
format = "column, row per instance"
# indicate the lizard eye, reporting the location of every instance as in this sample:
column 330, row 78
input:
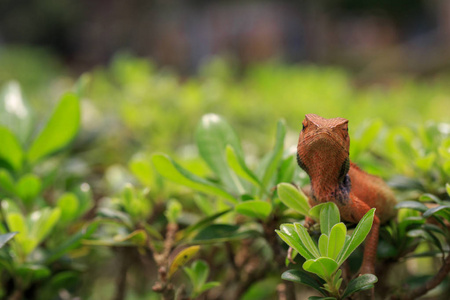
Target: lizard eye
column 304, row 124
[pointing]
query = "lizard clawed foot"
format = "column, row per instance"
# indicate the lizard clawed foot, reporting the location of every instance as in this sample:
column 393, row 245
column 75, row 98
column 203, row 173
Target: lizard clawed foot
column 308, row 223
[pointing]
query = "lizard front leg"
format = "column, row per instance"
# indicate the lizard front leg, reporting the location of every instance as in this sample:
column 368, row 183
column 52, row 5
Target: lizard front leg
column 353, row 212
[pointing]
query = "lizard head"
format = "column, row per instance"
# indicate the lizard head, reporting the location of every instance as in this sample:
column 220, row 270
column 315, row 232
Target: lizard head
column 324, row 144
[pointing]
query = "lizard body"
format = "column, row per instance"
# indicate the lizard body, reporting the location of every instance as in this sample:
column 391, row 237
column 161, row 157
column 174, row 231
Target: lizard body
column 323, row 152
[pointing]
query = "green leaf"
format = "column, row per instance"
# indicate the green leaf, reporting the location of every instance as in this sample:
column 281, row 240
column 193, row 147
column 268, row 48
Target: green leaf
column 254, row 209
column 42, row 222
column 287, row 169
column 302, row 278
column 324, row 267
column 142, row 169
column 363, row 282
column 447, row 187
column 15, row 112
column 436, row 209
column 336, row 240
column 32, row 272
column 412, row 205
column 71, row 243
column 213, row 134
column 182, row 258
column 4, row 238
column 201, row 270
column 365, row 137
column 6, row 182
column 289, row 235
column 293, row 198
column 174, row 172
column 173, row 211
column 329, row 216
column 28, row 187
column 59, row 130
column 10, row 151
column 323, row 245
column 219, row 233
column 68, row 204
column 321, row 298
column 306, row 239
column 116, row 215
column 358, row 236
column 429, row 197
column 208, row 286
column 314, row 212
column 17, row 223
column 181, row 234
column 237, row 164
column 275, row 155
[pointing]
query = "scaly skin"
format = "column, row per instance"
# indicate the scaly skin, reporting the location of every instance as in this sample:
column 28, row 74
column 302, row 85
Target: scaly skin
column 323, row 152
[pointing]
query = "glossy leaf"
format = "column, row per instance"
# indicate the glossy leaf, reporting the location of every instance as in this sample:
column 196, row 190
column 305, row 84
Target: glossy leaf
column 60, row 129
column 306, row 239
column 436, row 209
column 324, row 267
column 182, row 258
column 302, row 278
column 213, row 134
column 10, row 150
column 17, row 223
column 43, row 221
column 254, row 209
column 293, row 198
column 239, row 167
column 174, row 172
column 314, row 212
column 289, row 235
column 412, row 205
column 429, row 197
column 329, row 216
column 121, row 217
column 4, row 238
column 323, row 245
column 360, row 283
column 336, row 240
column 358, row 236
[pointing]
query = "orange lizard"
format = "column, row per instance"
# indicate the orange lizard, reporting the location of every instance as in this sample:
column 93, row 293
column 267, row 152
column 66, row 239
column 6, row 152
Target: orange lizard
column 323, row 152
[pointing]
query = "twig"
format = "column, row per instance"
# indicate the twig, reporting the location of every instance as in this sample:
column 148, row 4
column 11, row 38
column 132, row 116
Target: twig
column 163, row 286
column 121, row 280
column 281, row 289
column 432, row 283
